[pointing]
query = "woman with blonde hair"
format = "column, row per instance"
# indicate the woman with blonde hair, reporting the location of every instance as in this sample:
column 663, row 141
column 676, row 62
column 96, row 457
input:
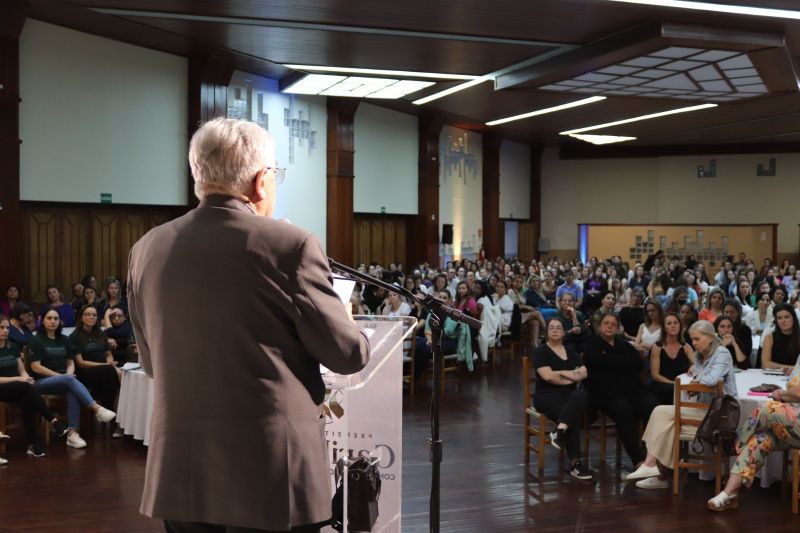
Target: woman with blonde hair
column 713, row 362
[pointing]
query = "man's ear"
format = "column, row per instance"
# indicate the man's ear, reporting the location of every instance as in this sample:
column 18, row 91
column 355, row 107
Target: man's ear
column 259, row 192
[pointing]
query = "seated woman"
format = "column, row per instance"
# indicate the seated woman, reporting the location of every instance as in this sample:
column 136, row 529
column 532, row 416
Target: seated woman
column 781, row 345
column 650, row 332
column 455, row 339
column 688, row 315
column 760, row 320
column 713, row 363
column 111, row 298
column 670, row 357
column 607, row 304
column 89, row 298
column 773, row 425
column 52, row 363
column 557, row 396
column 576, row 328
column 395, row 306
column 17, row 386
column 549, row 287
column 10, row 299
column 619, row 288
column 465, row 302
column 741, row 333
column 97, row 369
column 20, row 332
column 535, row 298
column 615, row 386
column 779, row 295
column 490, row 320
column 724, row 327
column 713, row 307
column 659, row 288
column 744, row 296
column 120, row 333
column 529, row 316
column 56, row 301
column 503, row 301
column 633, row 316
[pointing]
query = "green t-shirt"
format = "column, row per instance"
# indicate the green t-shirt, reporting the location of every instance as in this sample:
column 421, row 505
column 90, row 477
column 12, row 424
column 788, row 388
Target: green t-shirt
column 8, row 360
column 93, row 350
column 51, row 353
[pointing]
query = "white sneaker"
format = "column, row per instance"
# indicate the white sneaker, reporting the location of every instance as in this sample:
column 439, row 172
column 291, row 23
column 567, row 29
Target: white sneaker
column 105, row 415
column 3, row 461
column 643, row 472
column 75, row 441
column 652, row 483
column 118, row 433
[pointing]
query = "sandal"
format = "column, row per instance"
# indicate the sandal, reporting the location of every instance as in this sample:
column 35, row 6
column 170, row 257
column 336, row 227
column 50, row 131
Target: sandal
column 723, row 501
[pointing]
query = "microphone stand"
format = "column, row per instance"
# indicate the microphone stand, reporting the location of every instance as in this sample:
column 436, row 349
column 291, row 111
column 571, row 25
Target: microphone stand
column 438, row 313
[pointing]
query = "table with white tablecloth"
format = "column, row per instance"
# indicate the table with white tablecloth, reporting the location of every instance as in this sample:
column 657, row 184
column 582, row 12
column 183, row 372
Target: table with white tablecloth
column 135, row 406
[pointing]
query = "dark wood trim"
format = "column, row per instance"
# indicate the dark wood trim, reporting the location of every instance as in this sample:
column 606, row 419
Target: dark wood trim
column 493, row 231
column 536, row 194
column 424, row 247
column 12, row 19
column 208, row 98
column 340, row 172
column 574, row 150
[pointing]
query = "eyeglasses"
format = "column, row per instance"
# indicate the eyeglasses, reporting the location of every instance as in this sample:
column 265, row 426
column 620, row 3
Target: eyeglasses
column 280, row 174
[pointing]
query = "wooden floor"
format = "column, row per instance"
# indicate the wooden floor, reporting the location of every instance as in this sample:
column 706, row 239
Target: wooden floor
column 485, row 484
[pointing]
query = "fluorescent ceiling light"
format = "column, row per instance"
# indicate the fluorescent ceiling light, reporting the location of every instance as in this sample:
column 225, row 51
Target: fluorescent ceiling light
column 601, row 139
column 720, row 8
column 382, row 72
column 355, row 86
column 637, row 119
column 451, row 90
column 538, row 112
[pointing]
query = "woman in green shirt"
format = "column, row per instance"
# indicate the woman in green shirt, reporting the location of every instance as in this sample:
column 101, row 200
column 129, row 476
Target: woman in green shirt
column 52, row 363
column 17, row 386
column 97, row 368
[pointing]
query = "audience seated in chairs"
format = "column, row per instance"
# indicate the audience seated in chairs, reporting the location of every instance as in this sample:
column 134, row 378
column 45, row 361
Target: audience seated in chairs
column 112, row 298
column 9, row 300
column 52, row 363
column 774, row 425
column 781, row 345
column 760, row 320
column 557, row 396
column 529, row 316
column 23, row 324
column 395, row 306
column 451, row 339
column 577, row 331
column 713, row 363
column 490, row 320
column 725, row 331
column 120, row 334
column 688, row 315
column 713, row 307
column 650, row 331
column 615, row 384
column 17, row 386
column 607, row 304
column 632, row 316
column 669, row 358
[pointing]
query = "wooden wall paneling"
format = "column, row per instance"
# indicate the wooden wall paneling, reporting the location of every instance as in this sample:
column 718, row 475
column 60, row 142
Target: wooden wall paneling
column 389, row 241
column 526, row 232
column 376, row 241
column 105, row 244
column 73, row 247
column 339, row 220
column 536, row 196
column 493, row 229
column 361, row 241
column 41, row 246
column 400, row 243
column 425, row 226
column 12, row 18
column 132, row 225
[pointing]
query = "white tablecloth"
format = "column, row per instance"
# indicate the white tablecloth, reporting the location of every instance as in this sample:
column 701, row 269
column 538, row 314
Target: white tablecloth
column 135, row 405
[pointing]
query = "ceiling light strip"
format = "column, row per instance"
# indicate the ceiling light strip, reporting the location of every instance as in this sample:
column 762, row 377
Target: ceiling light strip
column 547, row 110
column 637, row 119
column 382, row 72
column 719, row 8
column 451, row 90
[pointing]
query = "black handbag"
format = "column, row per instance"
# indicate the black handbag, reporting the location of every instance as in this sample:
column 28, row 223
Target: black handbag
column 363, row 491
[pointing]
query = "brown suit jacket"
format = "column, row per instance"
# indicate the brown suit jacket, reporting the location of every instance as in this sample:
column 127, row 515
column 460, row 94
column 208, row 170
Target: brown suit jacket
column 233, row 313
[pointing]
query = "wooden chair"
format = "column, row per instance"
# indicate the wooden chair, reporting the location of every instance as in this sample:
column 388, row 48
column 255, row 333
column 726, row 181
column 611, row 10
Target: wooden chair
column 3, row 427
column 795, row 481
column 508, row 346
column 409, row 359
column 450, row 372
column 599, row 431
column 537, row 425
column 714, row 462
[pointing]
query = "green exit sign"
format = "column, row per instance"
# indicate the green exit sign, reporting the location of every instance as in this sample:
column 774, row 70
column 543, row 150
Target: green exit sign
column 105, row 198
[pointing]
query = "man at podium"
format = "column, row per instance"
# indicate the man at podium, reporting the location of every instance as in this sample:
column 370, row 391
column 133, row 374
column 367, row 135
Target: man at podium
column 233, row 313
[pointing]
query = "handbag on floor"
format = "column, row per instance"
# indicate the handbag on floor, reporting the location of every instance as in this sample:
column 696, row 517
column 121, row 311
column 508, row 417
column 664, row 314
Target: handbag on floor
column 363, row 491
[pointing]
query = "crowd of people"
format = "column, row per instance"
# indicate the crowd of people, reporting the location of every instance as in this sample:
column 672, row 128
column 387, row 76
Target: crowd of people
column 612, row 336
column 74, row 349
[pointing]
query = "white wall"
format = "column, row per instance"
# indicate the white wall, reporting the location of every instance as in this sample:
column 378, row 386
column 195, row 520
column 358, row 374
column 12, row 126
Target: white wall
column 100, row 116
column 667, row 190
column 298, row 125
column 515, row 180
column 461, row 189
column 386, row 161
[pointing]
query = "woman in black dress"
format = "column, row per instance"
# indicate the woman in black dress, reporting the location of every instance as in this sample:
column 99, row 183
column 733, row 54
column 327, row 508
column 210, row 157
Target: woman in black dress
column 669, row 358
column 742, row 334
column 557, row 396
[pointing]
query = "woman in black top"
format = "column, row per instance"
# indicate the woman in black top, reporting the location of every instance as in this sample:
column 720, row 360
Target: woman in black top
column 724, row 328
column 96, row 366
column 741, row 332
column 688, row 316
column 670, row 357
column 17, row 386
column 615, row 384
column 558, row 371
column 633, row 316
column 781, row 347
